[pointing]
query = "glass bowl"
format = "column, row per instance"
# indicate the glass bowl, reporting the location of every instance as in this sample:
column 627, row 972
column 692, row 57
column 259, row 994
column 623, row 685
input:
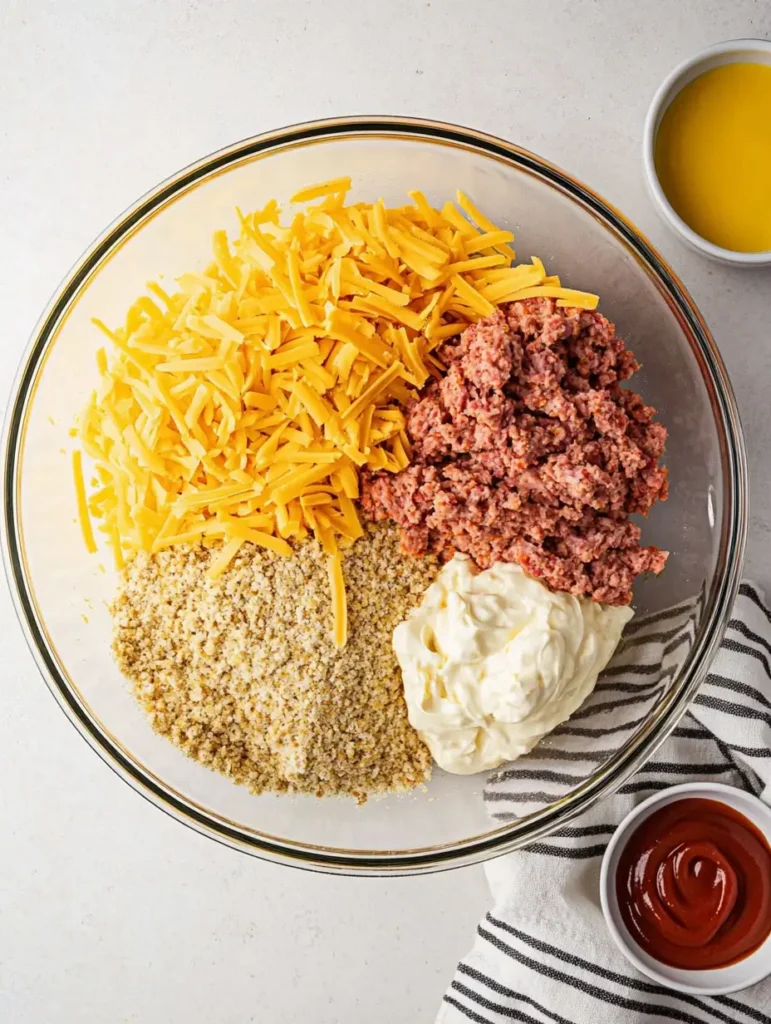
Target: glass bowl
column 61, row 592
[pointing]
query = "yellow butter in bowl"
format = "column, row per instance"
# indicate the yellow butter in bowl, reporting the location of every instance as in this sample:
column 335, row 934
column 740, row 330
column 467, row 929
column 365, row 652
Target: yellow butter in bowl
column 713, row 156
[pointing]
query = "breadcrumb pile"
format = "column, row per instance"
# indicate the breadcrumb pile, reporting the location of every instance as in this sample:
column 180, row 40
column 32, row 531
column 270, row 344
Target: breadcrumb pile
column 241, row 672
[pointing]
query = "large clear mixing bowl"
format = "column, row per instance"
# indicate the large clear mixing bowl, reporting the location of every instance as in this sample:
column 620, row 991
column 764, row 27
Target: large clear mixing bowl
column 58, row 586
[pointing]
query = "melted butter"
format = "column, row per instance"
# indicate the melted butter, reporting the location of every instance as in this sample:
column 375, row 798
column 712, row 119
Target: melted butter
column 713, row 156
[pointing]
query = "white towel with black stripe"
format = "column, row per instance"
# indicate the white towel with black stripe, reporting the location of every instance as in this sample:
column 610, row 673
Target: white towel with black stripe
column 543, row 954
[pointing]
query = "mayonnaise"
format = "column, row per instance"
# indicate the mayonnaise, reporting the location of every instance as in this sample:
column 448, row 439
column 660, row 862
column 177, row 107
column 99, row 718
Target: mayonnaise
column 493, row 661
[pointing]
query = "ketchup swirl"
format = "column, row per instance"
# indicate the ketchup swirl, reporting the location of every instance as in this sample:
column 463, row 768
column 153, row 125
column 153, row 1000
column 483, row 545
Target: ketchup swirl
column 694, row 885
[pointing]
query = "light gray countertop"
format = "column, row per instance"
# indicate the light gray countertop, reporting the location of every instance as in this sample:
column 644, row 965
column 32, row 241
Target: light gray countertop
column 110, row 911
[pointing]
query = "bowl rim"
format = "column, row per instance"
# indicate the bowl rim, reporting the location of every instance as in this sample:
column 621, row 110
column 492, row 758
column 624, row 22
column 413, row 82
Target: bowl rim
column 661, row 101
column 499, row 840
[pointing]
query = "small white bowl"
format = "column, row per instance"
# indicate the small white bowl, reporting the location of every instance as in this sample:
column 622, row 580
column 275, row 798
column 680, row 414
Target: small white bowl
column 714, row 982
column 732, row 52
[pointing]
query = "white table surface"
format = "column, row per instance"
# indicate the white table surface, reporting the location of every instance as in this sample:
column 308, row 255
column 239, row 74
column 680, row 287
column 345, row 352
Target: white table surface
column 109, row 911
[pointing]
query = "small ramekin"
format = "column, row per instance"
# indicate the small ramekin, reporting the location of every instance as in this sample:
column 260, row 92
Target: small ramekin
column 732, row 52
column 715, row 982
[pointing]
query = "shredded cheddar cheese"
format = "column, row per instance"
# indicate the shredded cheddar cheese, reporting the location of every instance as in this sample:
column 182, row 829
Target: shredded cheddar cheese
column 337, row 586
column 241, row 407
column 80, row 495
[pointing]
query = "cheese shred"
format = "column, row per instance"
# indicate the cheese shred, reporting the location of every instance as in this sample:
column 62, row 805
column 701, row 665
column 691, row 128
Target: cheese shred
column 80, row 495
column 339, row 609
column 242, row 406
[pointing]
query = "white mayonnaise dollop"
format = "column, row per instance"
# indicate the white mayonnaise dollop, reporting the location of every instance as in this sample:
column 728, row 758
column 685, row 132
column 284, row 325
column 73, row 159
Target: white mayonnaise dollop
column 493, row 661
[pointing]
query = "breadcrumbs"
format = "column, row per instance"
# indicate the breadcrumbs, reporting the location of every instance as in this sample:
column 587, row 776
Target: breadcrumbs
column 242, row 674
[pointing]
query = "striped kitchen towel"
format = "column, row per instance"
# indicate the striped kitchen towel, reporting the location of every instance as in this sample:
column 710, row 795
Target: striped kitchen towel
column 543, row 954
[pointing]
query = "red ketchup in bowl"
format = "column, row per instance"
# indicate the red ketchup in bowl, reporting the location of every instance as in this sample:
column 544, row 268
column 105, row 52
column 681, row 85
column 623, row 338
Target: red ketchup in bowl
column 694, row 885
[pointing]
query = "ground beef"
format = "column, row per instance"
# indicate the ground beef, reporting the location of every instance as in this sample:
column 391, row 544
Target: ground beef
column 529, row 450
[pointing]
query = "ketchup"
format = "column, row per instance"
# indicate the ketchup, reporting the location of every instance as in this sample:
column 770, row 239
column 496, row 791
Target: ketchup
column 694, row 885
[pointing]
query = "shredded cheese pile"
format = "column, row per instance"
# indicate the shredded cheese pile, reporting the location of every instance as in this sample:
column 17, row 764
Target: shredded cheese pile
column 242, row 406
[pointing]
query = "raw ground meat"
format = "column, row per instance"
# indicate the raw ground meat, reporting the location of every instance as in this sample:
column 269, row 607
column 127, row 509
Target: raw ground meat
column 530, row 451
